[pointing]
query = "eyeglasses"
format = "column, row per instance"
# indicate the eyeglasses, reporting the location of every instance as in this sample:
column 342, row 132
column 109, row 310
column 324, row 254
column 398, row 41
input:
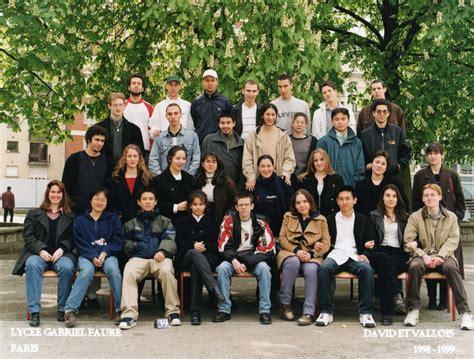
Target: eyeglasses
column 243, row 205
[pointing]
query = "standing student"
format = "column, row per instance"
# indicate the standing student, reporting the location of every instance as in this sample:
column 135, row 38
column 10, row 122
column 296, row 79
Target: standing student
column 174, row 185
column 321, row 181
column 220, row 190
column 247, row 112
column 99, row 241
column 304, row 239
column 453, row 200
column 388, row 258
column 129, row 178
column 302, row 144
column 268, row 139
column 48, row 245
column 196, row 238
column 344, row 148
column 8, row 204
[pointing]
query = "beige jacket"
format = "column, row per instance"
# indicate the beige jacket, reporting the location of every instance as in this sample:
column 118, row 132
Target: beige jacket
column 284, row 163
column 446, row 236
column 291, row 231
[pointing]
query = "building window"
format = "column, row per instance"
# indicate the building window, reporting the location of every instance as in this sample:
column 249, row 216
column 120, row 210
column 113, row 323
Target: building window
column 38, row 153
column 11, row 171
column 12, row 146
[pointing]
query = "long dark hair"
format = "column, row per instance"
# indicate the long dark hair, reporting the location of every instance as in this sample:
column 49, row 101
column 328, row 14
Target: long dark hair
column 401, row 214
column 219, row 179
column 65, row 203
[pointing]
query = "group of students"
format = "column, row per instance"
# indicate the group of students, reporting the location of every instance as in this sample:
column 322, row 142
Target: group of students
column 272, row 203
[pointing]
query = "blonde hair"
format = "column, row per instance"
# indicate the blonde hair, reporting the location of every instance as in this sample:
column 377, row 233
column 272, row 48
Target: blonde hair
column 311, row 169
column 122, row 165
column 434, row 187
column 115, row 95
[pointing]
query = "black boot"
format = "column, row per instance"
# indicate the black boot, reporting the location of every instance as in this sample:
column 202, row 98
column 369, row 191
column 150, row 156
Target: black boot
column 34, row 320
column 431, row 286
column 195, row 317
column 443, row 296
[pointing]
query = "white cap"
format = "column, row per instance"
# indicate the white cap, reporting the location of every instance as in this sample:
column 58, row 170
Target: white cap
column 211, row 73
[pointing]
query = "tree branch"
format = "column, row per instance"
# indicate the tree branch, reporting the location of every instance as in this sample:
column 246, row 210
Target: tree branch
column 363, row 41
column 359, row 18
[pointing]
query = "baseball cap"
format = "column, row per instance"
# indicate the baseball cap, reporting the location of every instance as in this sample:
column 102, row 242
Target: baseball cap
column 173, row 78
column 211, row 73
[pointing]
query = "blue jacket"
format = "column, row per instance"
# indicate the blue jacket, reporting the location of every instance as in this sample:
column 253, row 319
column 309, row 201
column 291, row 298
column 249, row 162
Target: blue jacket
column 163, row 143
column 348, row 159
column 149, row 233
column 93, row 237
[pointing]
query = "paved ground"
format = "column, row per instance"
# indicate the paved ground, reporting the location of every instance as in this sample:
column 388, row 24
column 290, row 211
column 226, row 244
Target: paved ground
column 243, row 336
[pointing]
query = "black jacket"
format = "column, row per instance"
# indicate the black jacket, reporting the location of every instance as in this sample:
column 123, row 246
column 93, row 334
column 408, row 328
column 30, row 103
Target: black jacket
column 121, row 201
column 205, row 110
column 392, row 140
column 130, row 134
column 189, row 231
column 327, row 203
column 36, row 233
column 237, row 115
column 379, row 228
column 363, row 232
column 170, row 192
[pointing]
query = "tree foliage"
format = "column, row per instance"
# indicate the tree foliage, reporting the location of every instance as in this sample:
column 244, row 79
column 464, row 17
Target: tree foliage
column 57, row 54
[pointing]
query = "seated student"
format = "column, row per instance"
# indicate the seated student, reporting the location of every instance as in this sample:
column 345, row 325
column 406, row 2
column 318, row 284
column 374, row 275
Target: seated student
column 302, row 143
column 150, row 244
column 47, row 233
column 321, row 181
column 344, row 148
column 196, row 238
column 388, row 258
column 99, row 241
column 431, row 237
column 369, row 190
column 304, row 238
column 247, row 245
column 349, row 232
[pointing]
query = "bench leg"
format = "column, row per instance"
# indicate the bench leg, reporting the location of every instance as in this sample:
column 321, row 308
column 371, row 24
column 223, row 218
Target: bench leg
column 181, row 295
column 352, row 289
column 28, row 317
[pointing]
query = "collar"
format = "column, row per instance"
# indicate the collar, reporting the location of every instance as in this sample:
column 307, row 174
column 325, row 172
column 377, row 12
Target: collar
column 341, row 216
column 175, row 134
column 425, row 214
column 198, row 219
column 215, row 93
column 129, row 100
column 173, row 99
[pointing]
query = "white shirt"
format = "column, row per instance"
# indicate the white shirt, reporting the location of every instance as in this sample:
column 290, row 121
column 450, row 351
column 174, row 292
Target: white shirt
column 345, row 246
column 391, row 234
column 158, row 120
column 249, row 119
column 208, row 188
column 286, row 111
column 246, row 236
column 139, row 113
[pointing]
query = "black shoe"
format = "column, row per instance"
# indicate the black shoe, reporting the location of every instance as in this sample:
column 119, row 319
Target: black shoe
column 34, row 320
column 195, row 317
column 387, row 319
column 432, row 304
column 219, row 296
column 265, row 318
column 60, row 316
column 442, row 306
column 221, row 317
column 93, row 304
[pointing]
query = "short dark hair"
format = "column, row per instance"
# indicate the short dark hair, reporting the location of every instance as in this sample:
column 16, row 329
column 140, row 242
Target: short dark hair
column 285, row 77
column 136, row 76
column 309, row 198
column 172, row 152
column 328, row 83
column 251, row 82
column 342, row 110
column 382, row 153
column 147, row 190
column 173, row 104
column 380, row 102
column 378, row 81
column 434, row 147
column 346, row 188
column 265, row 157
column 95, row 130
column 9, row 188
column 265, row 108
column 242, row 195
column 103, row 190
column 197, row 194
column 226, row 115
column 300, row 114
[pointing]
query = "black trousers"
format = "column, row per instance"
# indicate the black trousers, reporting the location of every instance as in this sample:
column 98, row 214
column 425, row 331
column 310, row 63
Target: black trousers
column 5, row 214
column 388, row 263
column 201, row 273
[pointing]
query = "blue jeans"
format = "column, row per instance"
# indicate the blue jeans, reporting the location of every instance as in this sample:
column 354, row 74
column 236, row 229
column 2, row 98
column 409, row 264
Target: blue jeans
column 34, row 269
column 262, row 271
column 84, row 279
column 363, row 270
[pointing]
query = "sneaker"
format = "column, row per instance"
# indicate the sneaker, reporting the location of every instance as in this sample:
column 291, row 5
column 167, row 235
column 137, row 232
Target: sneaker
column 367, row 320
column 127, row 323
column 286, row 312
column 466, row 321
column 324, row 319
column 174, row 320
column 70, row 319
column 412, row 318
column 305, row 319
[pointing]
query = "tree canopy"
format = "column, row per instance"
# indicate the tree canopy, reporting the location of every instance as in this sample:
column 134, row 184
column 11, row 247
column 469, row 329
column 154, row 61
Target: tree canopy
column 56, row 55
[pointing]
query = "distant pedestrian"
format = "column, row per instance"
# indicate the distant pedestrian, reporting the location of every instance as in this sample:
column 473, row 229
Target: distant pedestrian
column 8, row 204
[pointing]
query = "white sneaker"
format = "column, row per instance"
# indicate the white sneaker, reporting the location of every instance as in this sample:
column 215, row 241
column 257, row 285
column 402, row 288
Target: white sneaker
column 466, row 321
column 127, row 323
column 174, row 320
column 367, row 320
column 412, row 318
column 324, row 320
